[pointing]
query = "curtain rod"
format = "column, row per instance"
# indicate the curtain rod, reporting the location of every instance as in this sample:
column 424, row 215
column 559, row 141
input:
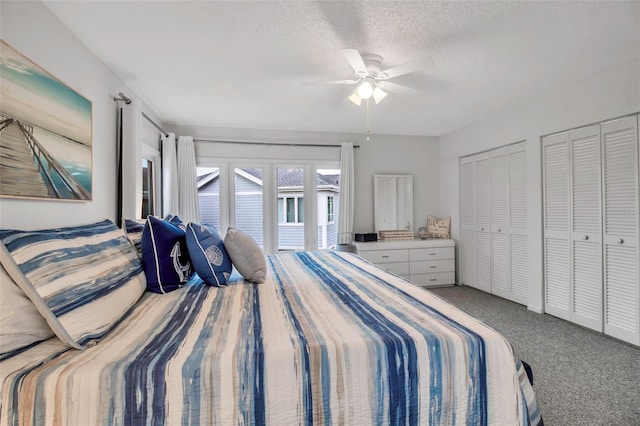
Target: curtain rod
column 154, row 124
column 312, row 145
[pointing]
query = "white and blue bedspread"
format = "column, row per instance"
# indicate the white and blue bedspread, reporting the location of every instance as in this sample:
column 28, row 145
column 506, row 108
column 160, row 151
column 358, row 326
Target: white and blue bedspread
column 328, row 339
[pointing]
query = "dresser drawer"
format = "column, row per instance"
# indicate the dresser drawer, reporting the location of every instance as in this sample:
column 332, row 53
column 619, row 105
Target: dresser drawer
column 435, row 253
column 398, row 268
column 440, row 278
column 430, row 267
column 385, row 256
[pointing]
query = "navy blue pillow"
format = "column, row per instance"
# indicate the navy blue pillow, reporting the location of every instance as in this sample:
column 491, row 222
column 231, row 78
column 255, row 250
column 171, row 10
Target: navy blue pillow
column 165, row 257
column 208, row 255
column 172, row 218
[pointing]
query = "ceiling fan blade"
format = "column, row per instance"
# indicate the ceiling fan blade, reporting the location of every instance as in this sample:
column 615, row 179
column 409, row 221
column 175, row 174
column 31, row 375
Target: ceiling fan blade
column 407, row 68
column 396, row 88
column 355, row 60
column 313, row 83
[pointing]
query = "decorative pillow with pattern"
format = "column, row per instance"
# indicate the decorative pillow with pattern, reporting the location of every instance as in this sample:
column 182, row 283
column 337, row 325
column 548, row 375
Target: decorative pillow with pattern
column 133, row 231
column 82, row 279
column 438, row 228
column 208, row 255
column 165, row 257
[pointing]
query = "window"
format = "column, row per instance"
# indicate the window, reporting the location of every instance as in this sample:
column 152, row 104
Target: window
column 291, row 210
column 330, row 214
column 148, row 204
column 208, row 182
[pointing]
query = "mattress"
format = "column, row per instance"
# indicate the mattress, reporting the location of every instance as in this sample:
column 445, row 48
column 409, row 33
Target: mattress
column 329, row 338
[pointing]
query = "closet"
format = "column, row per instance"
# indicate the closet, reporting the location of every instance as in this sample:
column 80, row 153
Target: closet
column 590, row 215
column 493, row 212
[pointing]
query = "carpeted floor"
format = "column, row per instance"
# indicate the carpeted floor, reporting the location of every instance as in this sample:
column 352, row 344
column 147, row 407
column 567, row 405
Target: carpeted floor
column 580, row 377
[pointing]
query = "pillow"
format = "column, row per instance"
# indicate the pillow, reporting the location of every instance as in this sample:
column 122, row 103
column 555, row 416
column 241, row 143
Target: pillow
column 82, row 279
column 21, row 324
column 246, row 255
column 165, row 258
column 438, row 228
column 208, row 255
column 175, row 220
column 133, row 231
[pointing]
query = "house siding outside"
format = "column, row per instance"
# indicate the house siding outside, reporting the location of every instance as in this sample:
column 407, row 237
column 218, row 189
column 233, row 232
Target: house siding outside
column 249, row 214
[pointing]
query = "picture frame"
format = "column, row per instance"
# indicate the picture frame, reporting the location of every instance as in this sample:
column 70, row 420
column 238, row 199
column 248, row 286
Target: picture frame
column 46, row 140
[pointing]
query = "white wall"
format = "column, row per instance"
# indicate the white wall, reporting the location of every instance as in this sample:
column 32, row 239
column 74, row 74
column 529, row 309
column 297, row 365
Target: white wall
column 604, row 96
column 382, row 154
column 38, row 34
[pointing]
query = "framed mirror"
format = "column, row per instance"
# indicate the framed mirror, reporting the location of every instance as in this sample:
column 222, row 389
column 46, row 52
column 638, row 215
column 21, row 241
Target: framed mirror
column 393, row 202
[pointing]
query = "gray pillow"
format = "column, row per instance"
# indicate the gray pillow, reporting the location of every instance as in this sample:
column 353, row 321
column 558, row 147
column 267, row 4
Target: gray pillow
column 246, row 255
column 20, row 322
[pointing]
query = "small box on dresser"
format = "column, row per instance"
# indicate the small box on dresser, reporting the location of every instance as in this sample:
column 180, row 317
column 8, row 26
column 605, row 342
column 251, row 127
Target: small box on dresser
column 428, row 263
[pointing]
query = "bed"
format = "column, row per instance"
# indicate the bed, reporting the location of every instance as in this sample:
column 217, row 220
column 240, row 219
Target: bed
column 328, row 338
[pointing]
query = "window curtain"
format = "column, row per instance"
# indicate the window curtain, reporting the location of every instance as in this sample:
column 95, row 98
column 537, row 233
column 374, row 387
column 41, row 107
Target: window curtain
column 169, row 175
column 188, row 204
column 345, row 215
column 129, row 157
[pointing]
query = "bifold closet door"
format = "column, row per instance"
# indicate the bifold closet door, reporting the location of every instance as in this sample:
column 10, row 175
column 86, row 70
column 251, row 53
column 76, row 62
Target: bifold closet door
column 499, row 190
column 467, row 219
column 586, row 240
column 518, row 230
column 621, row 251
column 482, row 203
column 557, row 251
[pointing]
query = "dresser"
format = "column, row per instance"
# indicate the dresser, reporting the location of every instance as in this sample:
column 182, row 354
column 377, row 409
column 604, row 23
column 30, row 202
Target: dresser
column 427, row 263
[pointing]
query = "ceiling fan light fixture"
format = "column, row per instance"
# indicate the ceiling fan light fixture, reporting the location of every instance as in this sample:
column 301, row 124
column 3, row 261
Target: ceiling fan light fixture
column 378, row 94
column 355, row 98
column 365, row 90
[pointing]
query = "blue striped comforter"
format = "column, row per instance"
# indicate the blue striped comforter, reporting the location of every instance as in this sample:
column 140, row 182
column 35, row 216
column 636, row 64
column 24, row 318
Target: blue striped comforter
column 328, row 339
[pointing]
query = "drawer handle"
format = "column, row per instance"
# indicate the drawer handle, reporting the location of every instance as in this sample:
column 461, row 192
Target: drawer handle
column 432, row 267
column 432, row 254
column 586, row 237
column 620, row 241
column 385, row 257
column 433, row 279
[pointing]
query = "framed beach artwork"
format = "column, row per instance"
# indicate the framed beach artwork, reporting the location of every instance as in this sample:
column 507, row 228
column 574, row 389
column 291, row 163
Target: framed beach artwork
column 45, row 133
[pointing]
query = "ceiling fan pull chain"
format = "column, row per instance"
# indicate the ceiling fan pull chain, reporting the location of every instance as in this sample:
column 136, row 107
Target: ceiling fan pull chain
column 368, row 129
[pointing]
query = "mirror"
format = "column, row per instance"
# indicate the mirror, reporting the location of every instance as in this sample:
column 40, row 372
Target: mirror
column 393, row 202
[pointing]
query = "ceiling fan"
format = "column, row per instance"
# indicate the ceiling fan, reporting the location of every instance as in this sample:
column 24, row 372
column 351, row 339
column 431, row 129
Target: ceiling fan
column 372, row 79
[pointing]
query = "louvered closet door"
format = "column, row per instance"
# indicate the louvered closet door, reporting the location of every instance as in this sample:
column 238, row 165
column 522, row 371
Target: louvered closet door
column 518, row 231
column 468, row 220
column 621, row 258
column 586, row 240
column 482, row 214
column 498, row 173
column 557, row 250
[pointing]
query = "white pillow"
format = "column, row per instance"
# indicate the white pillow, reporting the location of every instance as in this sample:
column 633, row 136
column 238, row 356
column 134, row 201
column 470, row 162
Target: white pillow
column 20, row 322
column 246, row 255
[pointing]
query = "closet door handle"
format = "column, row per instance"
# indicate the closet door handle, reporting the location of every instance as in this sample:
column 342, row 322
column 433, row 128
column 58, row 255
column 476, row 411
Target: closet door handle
column 499, row 229
column 586, row 237
column 620, row 241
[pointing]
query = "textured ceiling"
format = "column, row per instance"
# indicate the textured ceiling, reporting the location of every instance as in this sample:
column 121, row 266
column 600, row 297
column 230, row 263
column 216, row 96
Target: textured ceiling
column 243, row 64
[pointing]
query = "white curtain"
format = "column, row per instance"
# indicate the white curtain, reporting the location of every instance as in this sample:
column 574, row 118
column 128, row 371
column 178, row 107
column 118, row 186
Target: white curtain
column 345, row 215
column 131, row 185
column 188, row 205
column 169, row 175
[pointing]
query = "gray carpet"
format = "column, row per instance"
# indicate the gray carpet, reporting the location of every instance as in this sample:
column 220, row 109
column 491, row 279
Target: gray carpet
column 580, row 377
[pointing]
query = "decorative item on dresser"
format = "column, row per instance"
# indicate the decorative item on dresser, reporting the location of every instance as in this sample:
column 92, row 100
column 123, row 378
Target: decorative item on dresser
column 427, row 263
